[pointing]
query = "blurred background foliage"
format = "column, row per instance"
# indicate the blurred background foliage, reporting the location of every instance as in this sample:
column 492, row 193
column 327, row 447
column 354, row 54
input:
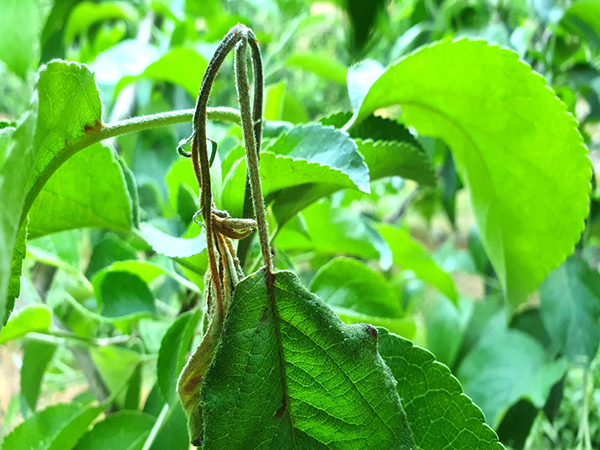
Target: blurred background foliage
column 149, row 56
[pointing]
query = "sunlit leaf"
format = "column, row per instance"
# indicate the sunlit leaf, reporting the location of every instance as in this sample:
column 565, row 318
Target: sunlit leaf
column 522, row 160
column 30, row 318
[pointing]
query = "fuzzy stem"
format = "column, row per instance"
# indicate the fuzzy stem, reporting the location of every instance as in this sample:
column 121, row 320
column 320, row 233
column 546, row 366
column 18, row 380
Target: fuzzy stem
column 115, row 129
column 251, row 144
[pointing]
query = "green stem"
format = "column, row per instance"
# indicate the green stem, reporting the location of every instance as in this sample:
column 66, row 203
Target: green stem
column 116, row 129
column 160, row 421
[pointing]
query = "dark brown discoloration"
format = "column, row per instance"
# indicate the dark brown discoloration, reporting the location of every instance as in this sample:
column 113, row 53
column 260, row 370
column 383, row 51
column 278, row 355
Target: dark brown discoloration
column 91, row 129
column 371, row 331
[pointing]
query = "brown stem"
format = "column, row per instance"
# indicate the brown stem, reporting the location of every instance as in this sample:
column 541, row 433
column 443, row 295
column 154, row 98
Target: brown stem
column 200, row 151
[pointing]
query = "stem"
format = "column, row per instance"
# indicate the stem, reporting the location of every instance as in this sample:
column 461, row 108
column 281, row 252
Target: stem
column 583, row 435
column 251, row 144
column 165, row 412
column 200, row 151
column 115, row 129
column 248, row 212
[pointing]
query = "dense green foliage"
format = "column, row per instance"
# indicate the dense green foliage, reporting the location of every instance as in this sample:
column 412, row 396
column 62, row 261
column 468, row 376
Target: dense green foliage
column 431, row 205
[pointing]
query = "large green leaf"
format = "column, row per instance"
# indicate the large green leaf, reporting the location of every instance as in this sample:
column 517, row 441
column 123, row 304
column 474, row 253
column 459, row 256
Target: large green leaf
column 505, row 366
column 409, row 254
column 515, row 146
column 16, row 268
column 57, row 427
column 123, row 430
column 360, row 294
column 20, row 24
column 440, row 416
column 570, row 308
column 288, row 374
column 88, row 190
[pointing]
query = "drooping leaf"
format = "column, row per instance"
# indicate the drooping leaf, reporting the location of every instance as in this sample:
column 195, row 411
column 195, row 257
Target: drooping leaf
column 18, row 44
column 173, row 349
column 320, row 64
column 122, row 294
column 123, row 430
column 36, row 356
column 189, row 65
column 305, row 379
column 30, row 318
column 57, row 427
column 439, row 414
column 570, row 308
column 359, row 294
column 507, row 151
column 88, row 190
column 505, row 366
column 408, row 254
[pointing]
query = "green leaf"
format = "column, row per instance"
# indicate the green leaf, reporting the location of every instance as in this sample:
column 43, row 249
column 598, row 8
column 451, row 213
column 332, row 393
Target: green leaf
column 320, row 64
column 570, row 308
column 388, row 148
column 506, row 366
column 288, row 374
column 108, row 249
column 57, row 427
column 333, row 231
column 88, row 190
column 439, row 414
column 274, row 97
column 14, row 178
column 123, row 430
column 87, row 13
column 189, row 65
column 172, row 246
column 122, row 294
column 16, row 267
column 20, row 23
column 36, row 356
column 359, row 294
column 5, row 137
column 116, row 365
column 30, row 318
column 326, row 146
column 584, row 18
column 289, row 183
column 69, row 109
column 409, row 254
column 172, row 354
column 391, row 158
column 515, row 147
